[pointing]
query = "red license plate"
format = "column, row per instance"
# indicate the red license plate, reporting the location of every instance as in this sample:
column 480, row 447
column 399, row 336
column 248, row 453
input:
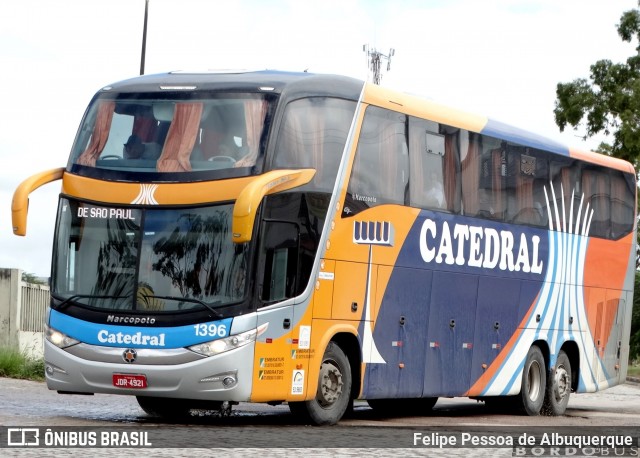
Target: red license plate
column 129, row 380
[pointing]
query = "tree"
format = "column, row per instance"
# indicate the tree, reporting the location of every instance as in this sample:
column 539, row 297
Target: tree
column 32, row 278
column 609, row 101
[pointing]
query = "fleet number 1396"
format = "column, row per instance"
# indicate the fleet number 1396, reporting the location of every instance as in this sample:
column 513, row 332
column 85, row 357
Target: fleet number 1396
column 210, row 330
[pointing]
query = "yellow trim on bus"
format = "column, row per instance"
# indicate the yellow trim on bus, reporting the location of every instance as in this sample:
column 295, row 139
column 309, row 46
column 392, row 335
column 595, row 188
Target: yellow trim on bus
column 244, row 211
column 603, row 160
column 422, row 108
column 20, row 203
column 156, row 193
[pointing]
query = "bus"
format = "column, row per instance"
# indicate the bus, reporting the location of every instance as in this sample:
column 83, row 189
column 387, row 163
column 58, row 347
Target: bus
column 308, row 239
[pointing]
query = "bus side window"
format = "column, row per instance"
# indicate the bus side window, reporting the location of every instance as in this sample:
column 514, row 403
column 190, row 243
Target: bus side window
column 435, row 165
column 427, row 159
column 313, row 133
column 622, row 205
column 566, row 186
column 280, row 260
column 492, row 202
column 380, row 172
column 527, row 174
column 596, row 187
column 470, row 162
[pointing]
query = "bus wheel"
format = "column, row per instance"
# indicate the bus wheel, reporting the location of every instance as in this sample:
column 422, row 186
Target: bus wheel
column 558, row 387
column 164, row 407
column 334, row 390
column 534, row 379
column 402, row 407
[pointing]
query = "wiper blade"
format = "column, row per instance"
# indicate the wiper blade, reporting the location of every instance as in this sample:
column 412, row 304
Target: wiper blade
column 208, row 306
column 69, row 299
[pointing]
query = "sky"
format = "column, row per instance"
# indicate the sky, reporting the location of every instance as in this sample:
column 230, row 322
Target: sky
column 499, row 58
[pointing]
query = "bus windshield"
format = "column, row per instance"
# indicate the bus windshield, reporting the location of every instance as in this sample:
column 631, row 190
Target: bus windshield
column 144, row 133
column 130, row 259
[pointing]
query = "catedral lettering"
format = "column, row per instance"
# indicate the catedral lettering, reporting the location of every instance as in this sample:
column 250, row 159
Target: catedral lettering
column 477, row 246
column 138, row 338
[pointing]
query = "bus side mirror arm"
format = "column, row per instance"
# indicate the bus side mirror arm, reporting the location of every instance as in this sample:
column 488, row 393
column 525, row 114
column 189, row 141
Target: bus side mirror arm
column 245, row 208
column 20, row 203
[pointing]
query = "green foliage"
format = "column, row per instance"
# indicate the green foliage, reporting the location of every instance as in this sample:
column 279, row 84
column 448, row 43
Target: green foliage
column 15, row 364
column 609, row 101
column 31, row 278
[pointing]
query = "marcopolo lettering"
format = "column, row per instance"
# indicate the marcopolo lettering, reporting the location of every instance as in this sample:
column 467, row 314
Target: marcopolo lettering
column 477, row 246
column 131, row 319
column 137, row 338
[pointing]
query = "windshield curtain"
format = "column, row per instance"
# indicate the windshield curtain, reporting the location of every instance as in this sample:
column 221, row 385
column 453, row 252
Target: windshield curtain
column 129, row 259
column 142, row 134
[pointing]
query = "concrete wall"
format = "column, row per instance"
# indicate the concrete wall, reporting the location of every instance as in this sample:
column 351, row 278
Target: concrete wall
column 23, row 307
column 10, row 280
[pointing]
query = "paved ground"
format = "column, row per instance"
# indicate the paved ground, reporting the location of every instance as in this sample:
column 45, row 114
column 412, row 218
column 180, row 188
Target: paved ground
column 256, row 430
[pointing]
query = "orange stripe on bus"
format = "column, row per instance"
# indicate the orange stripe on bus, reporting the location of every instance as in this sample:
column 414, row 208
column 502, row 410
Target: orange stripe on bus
column 496, row 365
column 602, row 159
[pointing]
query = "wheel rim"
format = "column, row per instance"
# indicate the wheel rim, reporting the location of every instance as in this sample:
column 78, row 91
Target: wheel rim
column 331, row 383
column 535, row 381
column 561, row 383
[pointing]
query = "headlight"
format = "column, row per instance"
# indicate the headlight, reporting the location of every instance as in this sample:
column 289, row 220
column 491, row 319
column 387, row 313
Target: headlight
column 215, row 347
column 59, row 339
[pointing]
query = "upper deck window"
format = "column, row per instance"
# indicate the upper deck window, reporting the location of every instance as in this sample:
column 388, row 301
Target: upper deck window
column 313, row 134
column 219, row 136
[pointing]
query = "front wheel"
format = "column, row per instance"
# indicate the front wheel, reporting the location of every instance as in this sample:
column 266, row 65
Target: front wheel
column 334, row 390
column 534, row 381
column 558, row 387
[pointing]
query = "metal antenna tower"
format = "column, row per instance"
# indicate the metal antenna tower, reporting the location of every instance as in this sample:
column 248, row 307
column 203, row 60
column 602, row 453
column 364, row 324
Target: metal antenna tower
column 374, row 59
column 143, row 52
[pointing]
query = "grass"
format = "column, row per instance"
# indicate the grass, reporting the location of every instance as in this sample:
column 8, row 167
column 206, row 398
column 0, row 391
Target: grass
column 634, row 368
column 15, row 364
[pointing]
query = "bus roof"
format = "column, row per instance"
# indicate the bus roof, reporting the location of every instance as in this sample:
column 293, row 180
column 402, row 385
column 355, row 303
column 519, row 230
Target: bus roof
column 300, row 84
column 425, row 108
column 292, row 84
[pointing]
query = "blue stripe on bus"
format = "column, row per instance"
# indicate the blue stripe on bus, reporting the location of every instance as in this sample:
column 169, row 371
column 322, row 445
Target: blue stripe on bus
column 109, row 335
column 504, row 131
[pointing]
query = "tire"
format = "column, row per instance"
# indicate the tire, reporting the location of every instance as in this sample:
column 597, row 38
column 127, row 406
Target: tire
column 402, row 407
column 534, row 382
column 558, row 387
column 334, row 390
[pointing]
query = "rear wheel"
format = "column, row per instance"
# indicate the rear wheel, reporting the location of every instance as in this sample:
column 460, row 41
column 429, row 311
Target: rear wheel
column 534, row 380
column 334, row 390
column 402, row 407
column 558, row 387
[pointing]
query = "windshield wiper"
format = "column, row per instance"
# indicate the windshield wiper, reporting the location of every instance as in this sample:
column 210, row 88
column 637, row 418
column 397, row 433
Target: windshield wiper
column 194, row 301
column 69, row 299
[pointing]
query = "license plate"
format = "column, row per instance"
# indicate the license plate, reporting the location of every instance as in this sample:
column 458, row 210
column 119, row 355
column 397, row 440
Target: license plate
column 129, row 380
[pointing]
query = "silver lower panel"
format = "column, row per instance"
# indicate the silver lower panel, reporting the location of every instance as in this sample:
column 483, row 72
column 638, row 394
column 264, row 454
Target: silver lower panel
column 90, row 369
